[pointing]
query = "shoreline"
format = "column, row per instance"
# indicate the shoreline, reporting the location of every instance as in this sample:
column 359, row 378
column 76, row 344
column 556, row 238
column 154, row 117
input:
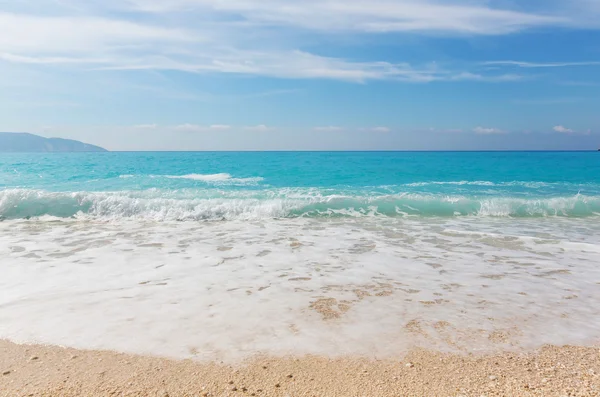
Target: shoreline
column 35, row 370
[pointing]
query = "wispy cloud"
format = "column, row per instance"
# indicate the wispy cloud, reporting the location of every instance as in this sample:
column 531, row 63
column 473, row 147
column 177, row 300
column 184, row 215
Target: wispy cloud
column 201, row 128
column 45, row 35
column 542, row 64
column 266, row 38
column 329, row 128
column 563, row 129
column 258, row 128
column 219, row 127
column 454, row 16
column 142, row 35
column 380, row 129
column 488, row 131
column 333, row 128
column 468, row 76
column 145, row 126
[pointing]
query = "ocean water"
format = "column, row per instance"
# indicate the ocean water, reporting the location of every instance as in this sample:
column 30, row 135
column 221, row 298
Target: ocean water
column 215, row 186
column 227, row 255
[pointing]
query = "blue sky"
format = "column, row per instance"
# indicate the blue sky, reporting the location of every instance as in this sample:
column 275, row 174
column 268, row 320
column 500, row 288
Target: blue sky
column 303, row 75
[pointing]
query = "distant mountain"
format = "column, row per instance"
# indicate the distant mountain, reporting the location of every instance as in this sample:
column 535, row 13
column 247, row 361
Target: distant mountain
column 24, row 142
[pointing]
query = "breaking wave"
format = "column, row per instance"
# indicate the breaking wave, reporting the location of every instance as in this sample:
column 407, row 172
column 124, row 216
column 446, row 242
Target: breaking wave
column 211, row 204
column 525, row 184
column 215, row 179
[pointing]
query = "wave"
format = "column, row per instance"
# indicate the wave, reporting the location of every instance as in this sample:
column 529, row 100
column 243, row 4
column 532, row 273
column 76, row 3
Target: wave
column 185, row 205
column 217, row 178
column 526, row 184
column 222, row 178
column 202, row 177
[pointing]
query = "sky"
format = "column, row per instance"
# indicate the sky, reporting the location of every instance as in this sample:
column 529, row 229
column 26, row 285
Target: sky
column 303, row 75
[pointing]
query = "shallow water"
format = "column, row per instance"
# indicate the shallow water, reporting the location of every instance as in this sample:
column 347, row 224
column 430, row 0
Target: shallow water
column 367, row 286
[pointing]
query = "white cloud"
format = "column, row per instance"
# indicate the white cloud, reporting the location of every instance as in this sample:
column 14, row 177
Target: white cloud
column 261, row 38
column 145, row 126
column 295, row 65
column 333, row 128
column 75, row 34
column 330, row 128
column 468, row 76
column 48, row 60
column 563, row 129
column 438, row 130
column 455, row 16
column 487, row 131
column 247, row 36
column 190, row 127
column 542, row 65
column 219, row 127
column 258, row 128
column 201, row 128
column 380, row 129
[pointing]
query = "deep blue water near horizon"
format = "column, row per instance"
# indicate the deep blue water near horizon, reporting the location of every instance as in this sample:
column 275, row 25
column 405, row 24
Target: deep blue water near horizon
column 250, row 185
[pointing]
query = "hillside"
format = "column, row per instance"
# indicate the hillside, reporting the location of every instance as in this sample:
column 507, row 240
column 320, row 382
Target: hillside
column 24, row 142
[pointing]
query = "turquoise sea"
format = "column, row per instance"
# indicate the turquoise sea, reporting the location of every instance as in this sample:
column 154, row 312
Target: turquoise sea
column 222, row 256
column 200, row 186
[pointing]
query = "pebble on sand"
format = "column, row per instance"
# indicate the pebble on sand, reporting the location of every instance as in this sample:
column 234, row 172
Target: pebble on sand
column 409, row 365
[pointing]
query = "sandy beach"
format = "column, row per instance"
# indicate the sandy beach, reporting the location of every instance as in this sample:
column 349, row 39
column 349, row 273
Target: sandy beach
column 29, row 370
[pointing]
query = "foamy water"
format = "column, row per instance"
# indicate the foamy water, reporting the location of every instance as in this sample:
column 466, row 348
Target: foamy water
column 372, row 286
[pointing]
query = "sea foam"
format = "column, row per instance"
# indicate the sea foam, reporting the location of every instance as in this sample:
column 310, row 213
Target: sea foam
column 211, row 204
column 216, row 178
column 354, row 286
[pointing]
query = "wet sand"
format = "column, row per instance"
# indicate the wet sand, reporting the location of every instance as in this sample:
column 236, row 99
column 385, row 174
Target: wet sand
column 28, row 370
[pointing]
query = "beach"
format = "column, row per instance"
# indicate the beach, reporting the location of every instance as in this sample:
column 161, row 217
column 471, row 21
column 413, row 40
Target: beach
column 52, row 371
column 299, row 198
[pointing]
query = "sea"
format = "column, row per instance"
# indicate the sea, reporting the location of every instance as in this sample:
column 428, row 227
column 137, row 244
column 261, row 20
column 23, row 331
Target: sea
column 228, row 255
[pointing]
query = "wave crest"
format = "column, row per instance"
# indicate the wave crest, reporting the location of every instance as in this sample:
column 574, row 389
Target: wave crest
column 222, row 178
column 161, row 205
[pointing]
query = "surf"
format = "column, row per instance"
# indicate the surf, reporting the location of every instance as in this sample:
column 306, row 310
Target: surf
column 214, row 204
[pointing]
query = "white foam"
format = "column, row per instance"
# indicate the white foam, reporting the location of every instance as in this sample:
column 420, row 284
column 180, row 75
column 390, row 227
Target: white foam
column 526, row 184
column 233, row 289
column 217, row 204
column 223, row 177
column 453, row 183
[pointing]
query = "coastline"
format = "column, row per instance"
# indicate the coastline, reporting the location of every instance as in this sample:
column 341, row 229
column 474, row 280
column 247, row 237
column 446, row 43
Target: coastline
column 35, row 370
